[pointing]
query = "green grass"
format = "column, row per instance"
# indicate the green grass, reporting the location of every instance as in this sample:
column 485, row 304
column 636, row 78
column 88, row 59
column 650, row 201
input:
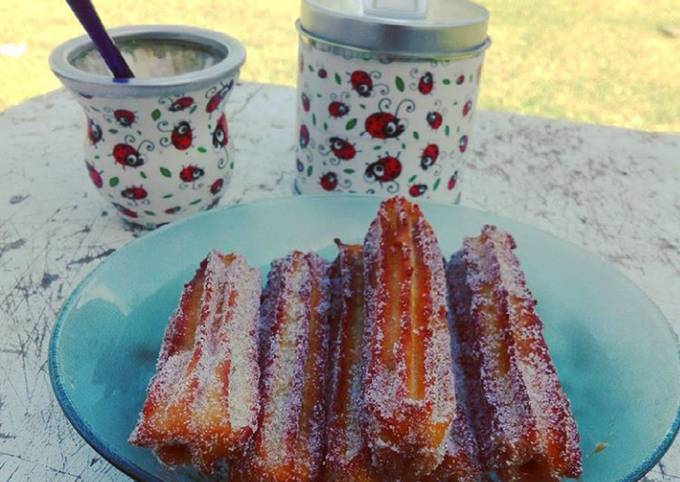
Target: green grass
column 600, row 61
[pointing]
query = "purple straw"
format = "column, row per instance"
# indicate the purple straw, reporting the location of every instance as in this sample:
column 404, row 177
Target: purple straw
column 90, row 21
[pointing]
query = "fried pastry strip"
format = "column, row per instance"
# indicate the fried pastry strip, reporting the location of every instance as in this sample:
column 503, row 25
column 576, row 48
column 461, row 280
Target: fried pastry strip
column 294, row 347
column 461, row 458
column 408, row 380
column 202, row 403
column 522, row 417
column 347, row 456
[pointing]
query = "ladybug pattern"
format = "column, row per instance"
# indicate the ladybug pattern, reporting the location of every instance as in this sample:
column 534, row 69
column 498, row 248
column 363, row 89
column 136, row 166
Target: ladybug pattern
column 181, row 136
column 220, row 136
column 375, row 125
column 181, row 104
column 150, row 156
column 94, row 132
column 385, row 169
column 429, row 156
column 361, row 82
column 417, row 190
column 191, row 173
column 304, row 136
column 426, row 83
column 124, row 117
column 341, row 148
column 329, row 181
column 216, row 186
column 337, row 109
column 462, row 143
column 134, row 192
column 95, row 175
column 306, row 103
column 127, row 156
column 127, row 212
column 452, row 181
column 467, row 108
column 216, row 98
column 434, row 119
column 387, row 125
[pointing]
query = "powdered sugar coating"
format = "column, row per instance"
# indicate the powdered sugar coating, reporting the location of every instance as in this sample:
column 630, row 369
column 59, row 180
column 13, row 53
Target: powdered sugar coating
column 347, row 456
column 294, row 336
column 202, row 403
column 522, row 417
column 408, row 381
column 461, row 457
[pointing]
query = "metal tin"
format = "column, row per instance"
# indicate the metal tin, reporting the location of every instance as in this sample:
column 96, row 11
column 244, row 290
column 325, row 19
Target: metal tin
column 386, row 105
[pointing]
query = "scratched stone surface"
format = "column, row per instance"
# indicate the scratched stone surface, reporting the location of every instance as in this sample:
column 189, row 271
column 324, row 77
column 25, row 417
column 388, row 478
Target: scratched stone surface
column 613, row 191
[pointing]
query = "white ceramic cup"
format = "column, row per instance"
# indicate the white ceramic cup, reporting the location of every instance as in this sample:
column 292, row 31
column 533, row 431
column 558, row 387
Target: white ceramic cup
column 157, row 147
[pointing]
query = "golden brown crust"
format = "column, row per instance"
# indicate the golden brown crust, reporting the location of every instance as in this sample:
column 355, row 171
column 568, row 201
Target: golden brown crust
column 289, row 444
column 522, row 417
column 408, row 382
column 201, row 406
column 347, row 457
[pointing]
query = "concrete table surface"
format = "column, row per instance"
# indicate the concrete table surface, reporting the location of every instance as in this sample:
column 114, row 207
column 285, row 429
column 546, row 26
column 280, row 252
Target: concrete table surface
column 612, row 191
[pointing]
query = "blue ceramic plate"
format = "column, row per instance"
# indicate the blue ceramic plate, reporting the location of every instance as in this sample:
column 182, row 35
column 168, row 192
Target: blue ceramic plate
column 616, row 355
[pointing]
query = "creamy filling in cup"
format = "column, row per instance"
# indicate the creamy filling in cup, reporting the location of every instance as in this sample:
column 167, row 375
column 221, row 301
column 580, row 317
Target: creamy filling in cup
column 157, row 146
column 387, row 91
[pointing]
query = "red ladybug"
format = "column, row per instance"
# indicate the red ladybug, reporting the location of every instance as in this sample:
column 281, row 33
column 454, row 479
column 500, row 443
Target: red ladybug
column 219, row 96
column 342, row 148
column 220, row 134
column 94, row 132
column 460, row 79
column 182, row 136
column 305, row 102
column 361, row 82
column 329, row 181
column 429, row 156
column 191, row 173
column 126, row 155
column 385, row 169
column 124, row 117
column 181, row 104
column 453, row 180
column 304, row 136
column 417, row 190
column 462, row 143
column 426, row 83
column 467, row 107
column 125, row 211
column 134, row 192
column 322, row 73
column 338, row 109
column 216, row 186
column 384, row 125
column 95, row 176
column 434, row 119
column 173, row 210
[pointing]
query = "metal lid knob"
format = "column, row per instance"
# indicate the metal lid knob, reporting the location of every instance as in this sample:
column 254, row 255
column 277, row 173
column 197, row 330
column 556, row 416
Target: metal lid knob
column 404, row 9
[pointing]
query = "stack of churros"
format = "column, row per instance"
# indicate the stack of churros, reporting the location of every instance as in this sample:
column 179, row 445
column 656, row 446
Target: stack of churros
column 387, row 364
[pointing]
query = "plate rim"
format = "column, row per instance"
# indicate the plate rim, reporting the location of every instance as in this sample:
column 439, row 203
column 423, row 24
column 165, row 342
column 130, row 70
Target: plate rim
column 131, row 469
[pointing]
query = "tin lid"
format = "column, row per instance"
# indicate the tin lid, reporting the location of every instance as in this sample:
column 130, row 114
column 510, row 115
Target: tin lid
column 399, row 27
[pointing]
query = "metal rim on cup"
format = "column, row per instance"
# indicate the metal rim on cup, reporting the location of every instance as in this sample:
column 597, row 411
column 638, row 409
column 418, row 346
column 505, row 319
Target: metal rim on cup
column 234, row 55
